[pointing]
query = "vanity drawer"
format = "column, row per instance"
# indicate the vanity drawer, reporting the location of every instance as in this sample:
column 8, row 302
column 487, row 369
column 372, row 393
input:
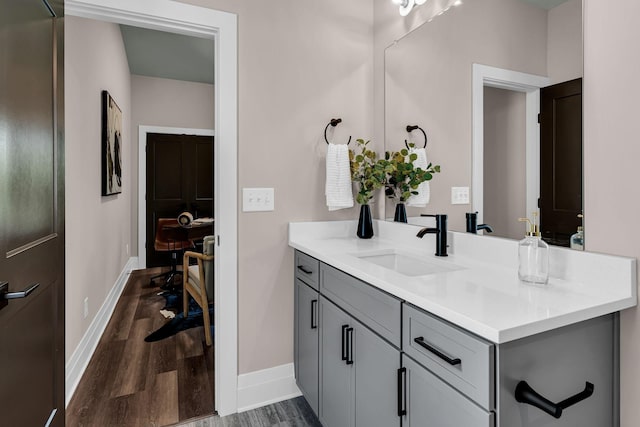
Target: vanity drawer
column 459, row 358
column 376, row 309
column 307, row 269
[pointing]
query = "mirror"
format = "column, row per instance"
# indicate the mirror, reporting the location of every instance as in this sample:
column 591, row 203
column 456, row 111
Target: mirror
column 471, row 78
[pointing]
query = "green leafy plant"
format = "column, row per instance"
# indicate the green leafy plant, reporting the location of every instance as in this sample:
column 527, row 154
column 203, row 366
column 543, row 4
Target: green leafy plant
column 403, row 178
column 366, row 170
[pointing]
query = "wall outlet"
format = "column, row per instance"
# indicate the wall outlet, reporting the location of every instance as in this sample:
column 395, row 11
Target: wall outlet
column 86, row 307
column 459, row 195
column 257, row 199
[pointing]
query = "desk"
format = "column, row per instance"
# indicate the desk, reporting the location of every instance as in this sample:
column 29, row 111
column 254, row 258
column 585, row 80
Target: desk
column 195, row 231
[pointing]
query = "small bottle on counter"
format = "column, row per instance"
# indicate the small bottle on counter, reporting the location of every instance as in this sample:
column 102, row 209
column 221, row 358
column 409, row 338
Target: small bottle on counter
column 533, row 255
column 577, row 239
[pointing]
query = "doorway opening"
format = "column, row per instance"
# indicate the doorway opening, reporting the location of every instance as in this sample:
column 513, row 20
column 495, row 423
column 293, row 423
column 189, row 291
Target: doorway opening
column 221, row 28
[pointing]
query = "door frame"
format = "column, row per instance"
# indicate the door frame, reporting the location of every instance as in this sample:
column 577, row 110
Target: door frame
column 221, row 27
column 530, row 84
column 143, row 130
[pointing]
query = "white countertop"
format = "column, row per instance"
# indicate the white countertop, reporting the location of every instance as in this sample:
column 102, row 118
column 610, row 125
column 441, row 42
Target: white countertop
column 483, row 295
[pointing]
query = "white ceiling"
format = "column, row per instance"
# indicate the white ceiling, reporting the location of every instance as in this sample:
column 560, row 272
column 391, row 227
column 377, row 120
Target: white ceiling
column 167, row 55
column 545, row 4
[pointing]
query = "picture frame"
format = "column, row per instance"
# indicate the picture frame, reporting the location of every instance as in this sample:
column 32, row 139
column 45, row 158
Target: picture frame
column 111, row 146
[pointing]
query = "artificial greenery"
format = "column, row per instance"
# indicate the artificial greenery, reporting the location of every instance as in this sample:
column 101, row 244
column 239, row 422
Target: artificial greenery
column 366, row 170
column 403, row 178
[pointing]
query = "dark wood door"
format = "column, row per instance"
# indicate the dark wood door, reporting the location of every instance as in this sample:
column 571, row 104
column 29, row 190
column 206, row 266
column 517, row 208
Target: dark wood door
column 179, row 178
column 31, row 214
column 560, row 161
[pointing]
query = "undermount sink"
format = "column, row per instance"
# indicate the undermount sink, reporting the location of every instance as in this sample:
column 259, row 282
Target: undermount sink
column 406, row 264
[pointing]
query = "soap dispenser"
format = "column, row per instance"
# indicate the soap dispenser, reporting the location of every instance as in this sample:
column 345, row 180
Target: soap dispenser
column 577, row 239
column 533, row 255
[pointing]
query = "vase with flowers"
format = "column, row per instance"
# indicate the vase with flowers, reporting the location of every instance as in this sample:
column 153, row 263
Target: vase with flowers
column 368, row 172
column 404, row 178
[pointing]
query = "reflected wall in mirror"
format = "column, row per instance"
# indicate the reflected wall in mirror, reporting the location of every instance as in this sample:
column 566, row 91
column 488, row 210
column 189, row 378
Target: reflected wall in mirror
column 429, row 82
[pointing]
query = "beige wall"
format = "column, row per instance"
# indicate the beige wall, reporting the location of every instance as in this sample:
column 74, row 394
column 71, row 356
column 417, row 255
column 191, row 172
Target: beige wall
column 166, row 103
column 564, row 54
column 504, row 161
column 98, row 228
column 611, row 153
column 301, row 63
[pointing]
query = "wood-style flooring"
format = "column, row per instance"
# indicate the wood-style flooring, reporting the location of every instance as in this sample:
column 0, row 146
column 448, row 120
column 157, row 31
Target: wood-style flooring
column 130, row 382
column 290, row 413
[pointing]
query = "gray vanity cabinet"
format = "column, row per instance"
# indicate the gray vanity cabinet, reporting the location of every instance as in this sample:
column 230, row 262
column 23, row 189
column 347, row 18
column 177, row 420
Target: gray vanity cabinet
column 364, row 358
column 429, row 401
column 358, row 373
column 306, row 342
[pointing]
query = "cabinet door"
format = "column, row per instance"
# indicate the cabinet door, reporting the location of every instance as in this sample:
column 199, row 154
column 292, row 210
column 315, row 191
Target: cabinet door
column 337, row 385
column 376, row 365
column 432, row 403
column 306, row 342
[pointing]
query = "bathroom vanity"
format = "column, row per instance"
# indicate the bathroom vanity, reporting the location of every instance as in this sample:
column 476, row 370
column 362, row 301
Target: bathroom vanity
column 387, row 334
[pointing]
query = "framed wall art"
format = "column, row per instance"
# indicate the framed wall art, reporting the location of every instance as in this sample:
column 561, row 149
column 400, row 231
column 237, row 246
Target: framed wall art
column 111, row 146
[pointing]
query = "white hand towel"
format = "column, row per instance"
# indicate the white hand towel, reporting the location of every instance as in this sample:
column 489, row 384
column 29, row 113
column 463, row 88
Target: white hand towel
column 338, row 188
column 421, row 199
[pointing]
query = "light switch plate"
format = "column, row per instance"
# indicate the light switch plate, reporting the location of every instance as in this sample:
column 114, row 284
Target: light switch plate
column 459, row 195
column 257, row 199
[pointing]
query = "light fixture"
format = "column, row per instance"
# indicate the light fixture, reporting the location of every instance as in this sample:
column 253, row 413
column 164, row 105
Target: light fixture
column 405, row 6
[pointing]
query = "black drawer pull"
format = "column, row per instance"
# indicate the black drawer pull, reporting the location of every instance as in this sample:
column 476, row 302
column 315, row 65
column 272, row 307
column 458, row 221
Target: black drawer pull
column 525, row 394
column 344, row 338
column 422, row 343
column 314, row 304
column 402, row 402
column 350, row 346
column 304, row 269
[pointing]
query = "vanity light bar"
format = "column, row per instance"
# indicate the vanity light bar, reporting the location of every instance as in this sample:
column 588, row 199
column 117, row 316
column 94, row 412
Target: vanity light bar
column 405, row 6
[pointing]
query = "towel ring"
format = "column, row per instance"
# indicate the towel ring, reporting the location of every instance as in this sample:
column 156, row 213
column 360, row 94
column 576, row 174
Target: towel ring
column 334, row 123
column 412, row 128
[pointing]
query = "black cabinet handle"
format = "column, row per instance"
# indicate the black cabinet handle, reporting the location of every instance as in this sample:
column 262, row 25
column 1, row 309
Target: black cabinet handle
column 422, row 343
column 525, row 394
column 350, row 346
column 344, row 338
column 304, row 269
column 402, row 402
column 314, row 304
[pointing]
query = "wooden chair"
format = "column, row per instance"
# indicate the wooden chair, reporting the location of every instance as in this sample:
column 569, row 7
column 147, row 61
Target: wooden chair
column 198, row 281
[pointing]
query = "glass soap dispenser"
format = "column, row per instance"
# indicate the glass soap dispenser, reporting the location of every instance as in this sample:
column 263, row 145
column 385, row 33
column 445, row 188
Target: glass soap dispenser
column 533, row 255
column 577, row 240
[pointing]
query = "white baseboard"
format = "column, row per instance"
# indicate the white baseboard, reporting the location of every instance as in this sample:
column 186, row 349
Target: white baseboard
column 267, row 386
column 79, row 360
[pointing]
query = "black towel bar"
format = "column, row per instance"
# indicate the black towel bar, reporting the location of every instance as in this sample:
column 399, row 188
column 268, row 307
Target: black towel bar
column 334, row 123
column 411, row 128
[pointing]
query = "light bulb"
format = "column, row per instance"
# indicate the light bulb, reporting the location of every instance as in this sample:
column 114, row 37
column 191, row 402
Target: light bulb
column 406, row 7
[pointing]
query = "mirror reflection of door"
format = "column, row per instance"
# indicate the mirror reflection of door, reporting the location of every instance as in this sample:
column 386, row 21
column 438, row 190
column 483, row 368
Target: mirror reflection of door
column 560, row 161
column 179, row 178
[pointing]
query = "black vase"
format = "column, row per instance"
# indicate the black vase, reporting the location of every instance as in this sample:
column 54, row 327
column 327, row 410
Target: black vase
column 365, row 224
column 401, row 213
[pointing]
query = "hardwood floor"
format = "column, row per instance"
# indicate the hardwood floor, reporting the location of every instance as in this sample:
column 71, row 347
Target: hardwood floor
column 130, row 382
column 290, row 413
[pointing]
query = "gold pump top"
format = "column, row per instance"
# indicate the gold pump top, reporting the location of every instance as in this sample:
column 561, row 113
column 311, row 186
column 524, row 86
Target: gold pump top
column 534, row 230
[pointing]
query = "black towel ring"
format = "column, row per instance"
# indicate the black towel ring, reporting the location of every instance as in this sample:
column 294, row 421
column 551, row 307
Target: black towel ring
column 412, row 128
column 334, row 123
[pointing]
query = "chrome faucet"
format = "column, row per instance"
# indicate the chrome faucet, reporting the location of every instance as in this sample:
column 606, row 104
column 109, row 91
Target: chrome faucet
column 472, row 224
column 440, row 231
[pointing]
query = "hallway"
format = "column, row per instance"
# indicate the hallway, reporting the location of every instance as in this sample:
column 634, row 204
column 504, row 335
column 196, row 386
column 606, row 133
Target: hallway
column 130, row 382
